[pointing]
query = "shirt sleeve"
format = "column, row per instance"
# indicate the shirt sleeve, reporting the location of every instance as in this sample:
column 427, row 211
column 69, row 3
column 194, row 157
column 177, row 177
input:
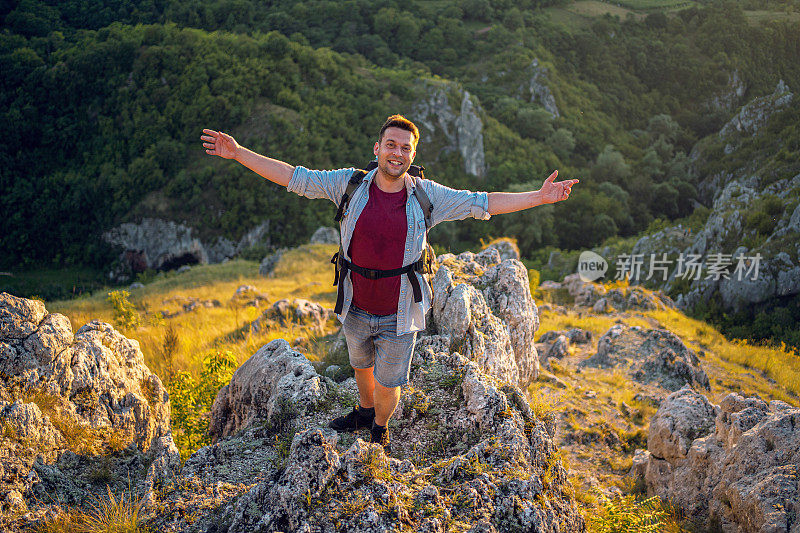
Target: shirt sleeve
column 453, row 204
column 329, row 184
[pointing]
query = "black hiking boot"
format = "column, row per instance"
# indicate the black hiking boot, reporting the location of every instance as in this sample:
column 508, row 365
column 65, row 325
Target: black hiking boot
column 380, row 434
column 358, row 418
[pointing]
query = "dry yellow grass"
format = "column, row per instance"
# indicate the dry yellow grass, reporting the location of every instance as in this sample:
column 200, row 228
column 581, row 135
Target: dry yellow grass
column 740, row 360
column 110, row 514
column 303, row 272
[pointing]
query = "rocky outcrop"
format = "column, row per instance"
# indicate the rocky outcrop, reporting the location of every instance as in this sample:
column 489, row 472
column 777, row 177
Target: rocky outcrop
column 268, row 264
column 297, row 311
column 449, row 130
column 755, row 114
column 652, row 355
column 70, row 403
column 595, row 295
column 556, row 343
column 484, row 306
column 507, row 248
column 467, row 451
column 537, row 91
column 731, row 467
column 164, row 245
column 248, row 296
column 747, row 251
column 274, row 380
column 756, row 274
column 325, row 235
column 731, row 95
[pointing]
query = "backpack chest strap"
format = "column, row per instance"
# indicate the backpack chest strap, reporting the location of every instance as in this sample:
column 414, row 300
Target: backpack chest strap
column 343, row 266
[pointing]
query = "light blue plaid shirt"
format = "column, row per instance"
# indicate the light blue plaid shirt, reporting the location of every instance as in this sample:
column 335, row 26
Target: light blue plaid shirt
column 448, row 204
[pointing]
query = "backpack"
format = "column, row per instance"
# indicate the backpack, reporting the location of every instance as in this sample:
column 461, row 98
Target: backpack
column 424, row 264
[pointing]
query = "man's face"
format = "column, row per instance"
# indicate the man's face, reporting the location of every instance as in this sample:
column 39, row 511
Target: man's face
column 395, row 151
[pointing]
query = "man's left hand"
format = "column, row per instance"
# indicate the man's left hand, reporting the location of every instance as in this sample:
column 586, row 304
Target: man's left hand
column 555, row 191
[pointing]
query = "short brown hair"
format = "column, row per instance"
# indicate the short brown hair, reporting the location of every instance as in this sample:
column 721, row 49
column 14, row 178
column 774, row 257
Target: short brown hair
column 399, row 121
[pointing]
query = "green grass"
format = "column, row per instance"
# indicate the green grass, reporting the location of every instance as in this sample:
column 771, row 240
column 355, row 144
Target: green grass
column 757, row 17
column 652, row 5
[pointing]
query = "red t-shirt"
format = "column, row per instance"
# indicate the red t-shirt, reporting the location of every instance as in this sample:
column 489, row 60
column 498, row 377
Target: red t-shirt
column 378, row 242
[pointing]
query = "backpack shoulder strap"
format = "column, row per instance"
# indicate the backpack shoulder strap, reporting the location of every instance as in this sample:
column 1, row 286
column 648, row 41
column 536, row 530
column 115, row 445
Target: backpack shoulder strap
column 352, row 185
column 424, row 202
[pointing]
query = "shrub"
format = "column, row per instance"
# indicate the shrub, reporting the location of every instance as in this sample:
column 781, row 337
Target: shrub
column 125, row 315
column 627, row 515
column 191, row 400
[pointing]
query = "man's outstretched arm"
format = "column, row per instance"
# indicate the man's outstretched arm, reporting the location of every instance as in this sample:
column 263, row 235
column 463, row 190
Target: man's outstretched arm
column 551, row 192
column 223, row 145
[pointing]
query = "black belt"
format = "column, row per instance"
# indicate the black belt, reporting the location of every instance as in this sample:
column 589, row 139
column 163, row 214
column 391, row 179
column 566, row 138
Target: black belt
column 343, row 265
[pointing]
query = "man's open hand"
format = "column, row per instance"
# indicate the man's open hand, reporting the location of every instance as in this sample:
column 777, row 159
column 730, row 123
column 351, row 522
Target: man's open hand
column 552, row 192
column 218, row 143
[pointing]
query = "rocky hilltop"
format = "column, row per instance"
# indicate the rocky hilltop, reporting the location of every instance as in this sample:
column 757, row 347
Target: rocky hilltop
column 732, row 466
column 79, row 411
column 480, row 440
column 468, row 450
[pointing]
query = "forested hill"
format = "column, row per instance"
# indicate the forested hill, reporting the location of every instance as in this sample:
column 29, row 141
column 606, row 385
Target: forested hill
column 102, row 104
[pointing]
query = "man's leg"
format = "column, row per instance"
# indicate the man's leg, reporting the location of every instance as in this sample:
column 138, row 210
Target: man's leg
column 386, row 400
column 392, row 363
column 362, row 359
column 366, row 386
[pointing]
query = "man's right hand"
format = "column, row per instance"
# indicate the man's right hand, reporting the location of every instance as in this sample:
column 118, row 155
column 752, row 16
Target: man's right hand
column 218, row 143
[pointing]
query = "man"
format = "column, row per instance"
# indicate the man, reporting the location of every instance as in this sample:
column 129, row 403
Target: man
column 383, row 228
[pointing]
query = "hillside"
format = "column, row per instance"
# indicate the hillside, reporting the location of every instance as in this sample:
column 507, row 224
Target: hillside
column 600, row 412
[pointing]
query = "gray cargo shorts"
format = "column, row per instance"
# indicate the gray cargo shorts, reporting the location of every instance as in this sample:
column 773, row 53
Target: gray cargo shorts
column 372, row 340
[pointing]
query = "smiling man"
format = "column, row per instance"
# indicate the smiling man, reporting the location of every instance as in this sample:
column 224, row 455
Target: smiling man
column 382, row 230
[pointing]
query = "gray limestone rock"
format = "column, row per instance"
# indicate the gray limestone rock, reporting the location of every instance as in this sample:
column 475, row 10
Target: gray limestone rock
column 682, row 417
column 653, row 355
column 71, row 401
column 756, row 113
column 325, row 235
column 297, row 311
column 507, row 248
column 268, row 264
column 485, row 307
column 462, row 131
column 735, row 470
column 492, row 453
column 274, row 380
column 538, row 90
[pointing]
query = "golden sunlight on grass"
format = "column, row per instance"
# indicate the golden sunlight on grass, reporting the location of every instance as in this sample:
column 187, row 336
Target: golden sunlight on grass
column 739, row 357
column 110, row 514
column 303, row 272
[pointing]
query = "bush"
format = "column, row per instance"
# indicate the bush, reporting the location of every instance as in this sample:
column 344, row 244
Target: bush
column 125, row 315
column 192, row 400
column 626, row 515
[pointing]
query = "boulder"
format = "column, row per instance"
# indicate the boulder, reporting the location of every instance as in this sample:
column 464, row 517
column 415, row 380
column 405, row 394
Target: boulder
column 731, row 467
column 69, row 402
column 507, row 248
column 484, row 305
column 325, row 235
column 273, row 383
column 298, row 311
column 652, row 355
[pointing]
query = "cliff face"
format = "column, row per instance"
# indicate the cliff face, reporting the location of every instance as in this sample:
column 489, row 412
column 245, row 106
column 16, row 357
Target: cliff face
column 77, row 410
column 451, row 127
